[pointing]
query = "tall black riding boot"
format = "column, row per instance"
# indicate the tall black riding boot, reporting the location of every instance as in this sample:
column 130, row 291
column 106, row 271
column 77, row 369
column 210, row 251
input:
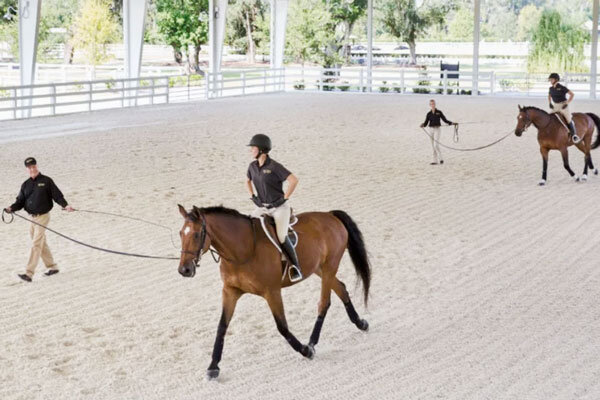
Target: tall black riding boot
column 290, row 253
column 573, row 132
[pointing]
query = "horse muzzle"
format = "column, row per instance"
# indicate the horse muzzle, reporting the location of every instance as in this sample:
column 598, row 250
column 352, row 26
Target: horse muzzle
column 188, row 270
column 518, row 132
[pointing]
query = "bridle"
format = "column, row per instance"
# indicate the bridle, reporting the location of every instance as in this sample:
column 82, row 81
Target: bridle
column 198, row 254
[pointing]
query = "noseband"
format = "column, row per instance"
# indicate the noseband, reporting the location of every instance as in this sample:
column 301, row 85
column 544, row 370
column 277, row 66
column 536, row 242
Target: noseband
column 198, row 254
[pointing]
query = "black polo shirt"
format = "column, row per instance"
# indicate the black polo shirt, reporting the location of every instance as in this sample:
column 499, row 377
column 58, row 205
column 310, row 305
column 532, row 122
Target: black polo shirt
column 558, row 93
column 268, row 180
column 36, row 196
column 433, row 118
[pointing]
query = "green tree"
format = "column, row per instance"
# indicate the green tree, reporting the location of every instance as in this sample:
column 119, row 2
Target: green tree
column 307, row 33
column 556, row 45
column 529, row 17
column 246, row 21
column 406, row 22
column 184, row 29
column 94, row 28
column 461, row 28
column 343, row 16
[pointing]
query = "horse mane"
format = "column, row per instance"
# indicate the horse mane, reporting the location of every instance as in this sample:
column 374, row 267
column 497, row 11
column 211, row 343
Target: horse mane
column 195, row 214
column 527, row 108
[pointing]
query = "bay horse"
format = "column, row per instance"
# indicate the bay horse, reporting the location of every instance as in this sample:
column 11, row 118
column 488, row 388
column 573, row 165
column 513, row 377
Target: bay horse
column 250, row 263
column 554, row 135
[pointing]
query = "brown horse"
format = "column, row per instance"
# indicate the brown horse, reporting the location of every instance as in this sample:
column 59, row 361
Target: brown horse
column 250, row 263
column 554, row 135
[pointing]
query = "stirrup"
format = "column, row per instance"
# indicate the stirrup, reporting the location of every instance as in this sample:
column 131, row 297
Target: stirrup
column 298, row 275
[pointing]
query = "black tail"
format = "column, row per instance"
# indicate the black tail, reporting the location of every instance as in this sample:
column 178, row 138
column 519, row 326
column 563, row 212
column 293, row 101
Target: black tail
column 597, row 122
column 357, row 250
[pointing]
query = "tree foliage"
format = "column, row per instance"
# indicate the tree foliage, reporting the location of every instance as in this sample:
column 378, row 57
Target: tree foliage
column 180, row 23
column 248, row 26
column 406, row 22
column 94, row 28
column 307, row 35
column 556, row 45
column 529, row 17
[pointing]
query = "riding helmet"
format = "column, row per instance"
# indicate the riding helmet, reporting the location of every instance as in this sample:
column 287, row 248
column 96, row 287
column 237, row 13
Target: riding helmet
column 554, row 75
column 261, row 141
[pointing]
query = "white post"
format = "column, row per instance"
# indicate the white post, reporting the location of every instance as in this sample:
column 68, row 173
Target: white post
column 594, row 69
column 134, row 17
column 476, row 29
column 279, row 10
column 53, row 99
column 217, row 12
column 243, row 83
column 445, row 89
column 29, row 20
column 370, row 44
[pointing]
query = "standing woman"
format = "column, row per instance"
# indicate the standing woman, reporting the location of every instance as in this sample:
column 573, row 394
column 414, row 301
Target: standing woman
column 432, row 119
column 267, row 176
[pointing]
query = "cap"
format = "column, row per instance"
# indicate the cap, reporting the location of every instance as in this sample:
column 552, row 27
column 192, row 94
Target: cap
column 29, row 161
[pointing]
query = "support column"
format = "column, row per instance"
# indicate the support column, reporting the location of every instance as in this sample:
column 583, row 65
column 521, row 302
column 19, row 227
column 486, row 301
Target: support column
column 594, row 55
column 370, row 44
column 29, row 20
column 476, row 29
column 134, row 19
column 279, row 9
column 217, row 13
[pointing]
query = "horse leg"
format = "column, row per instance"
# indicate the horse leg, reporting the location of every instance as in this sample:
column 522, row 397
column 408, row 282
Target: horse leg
column 565, row 156
column 324, row 304
column 340, row 290
column 591, row 164
column 544, row 152
column 230, row 298
column 276, row 305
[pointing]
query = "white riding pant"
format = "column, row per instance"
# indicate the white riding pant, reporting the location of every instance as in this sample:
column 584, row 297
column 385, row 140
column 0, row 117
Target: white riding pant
column 280, row 214
column 565, row 112
column 435, row 133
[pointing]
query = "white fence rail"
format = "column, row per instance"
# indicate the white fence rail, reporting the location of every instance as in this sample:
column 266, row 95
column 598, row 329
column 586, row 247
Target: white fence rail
column 245, row 82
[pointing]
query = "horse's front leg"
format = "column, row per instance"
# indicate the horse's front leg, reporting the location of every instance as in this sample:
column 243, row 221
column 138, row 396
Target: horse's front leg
column 544, row 152
column 276, row 305
column 230, row 297
column 565, row 156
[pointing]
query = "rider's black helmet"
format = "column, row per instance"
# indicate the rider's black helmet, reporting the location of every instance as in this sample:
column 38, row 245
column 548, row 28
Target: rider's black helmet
column 261, row 141
column 554, row 75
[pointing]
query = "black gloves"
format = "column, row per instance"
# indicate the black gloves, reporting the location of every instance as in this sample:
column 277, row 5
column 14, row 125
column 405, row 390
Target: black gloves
column 551, row 106
column 279, row 202
column 565, row 106
column 256, row 201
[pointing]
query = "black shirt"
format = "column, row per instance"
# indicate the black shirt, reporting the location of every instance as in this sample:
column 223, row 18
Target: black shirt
column 268, row 180
column 36, row 196
column 558, row 93
column 433, row 118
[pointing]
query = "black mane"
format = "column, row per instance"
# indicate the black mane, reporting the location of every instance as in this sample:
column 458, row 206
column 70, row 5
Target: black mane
column 195, row 214
column 527, row 108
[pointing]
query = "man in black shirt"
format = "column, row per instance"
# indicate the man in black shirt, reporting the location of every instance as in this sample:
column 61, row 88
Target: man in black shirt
column 267, row 176
column 36, row 197
column 432, row 119
column 558, row 94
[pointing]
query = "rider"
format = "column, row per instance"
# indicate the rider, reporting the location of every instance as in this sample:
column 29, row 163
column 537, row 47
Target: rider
column 267, row 176
column 558, row 94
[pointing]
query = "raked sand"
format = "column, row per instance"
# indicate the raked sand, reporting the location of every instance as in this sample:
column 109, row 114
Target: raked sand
column 485, row 286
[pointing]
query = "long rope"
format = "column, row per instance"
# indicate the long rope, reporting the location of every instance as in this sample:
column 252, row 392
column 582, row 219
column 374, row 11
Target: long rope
column 467, row 149
column 122, row 253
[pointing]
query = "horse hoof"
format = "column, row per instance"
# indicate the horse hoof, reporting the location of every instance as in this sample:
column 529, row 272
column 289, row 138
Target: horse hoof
column 542, row 182
column 363, row 325
column 576, row 178
column 596, row 171
column 212, row 374
column 584, row 178
column 309, row 351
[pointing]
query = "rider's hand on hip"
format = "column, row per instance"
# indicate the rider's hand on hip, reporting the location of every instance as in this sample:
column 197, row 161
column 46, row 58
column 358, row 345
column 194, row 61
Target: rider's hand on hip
column 565, row 106
column 551, row 106
column 256, row 201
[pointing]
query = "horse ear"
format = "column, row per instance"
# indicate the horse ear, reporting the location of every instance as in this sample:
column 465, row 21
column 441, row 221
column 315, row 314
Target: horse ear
column 520, row 108
column 182, row 211
column 196, row 212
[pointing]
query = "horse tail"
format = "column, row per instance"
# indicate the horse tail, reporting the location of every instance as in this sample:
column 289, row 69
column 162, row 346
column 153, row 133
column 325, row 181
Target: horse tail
column 596, row 120
column 357, row 250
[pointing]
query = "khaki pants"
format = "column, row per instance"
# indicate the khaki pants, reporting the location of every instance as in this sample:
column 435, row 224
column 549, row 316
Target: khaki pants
column 435, row 133
column 558, row 109
column 281, row 215
column 40, row 247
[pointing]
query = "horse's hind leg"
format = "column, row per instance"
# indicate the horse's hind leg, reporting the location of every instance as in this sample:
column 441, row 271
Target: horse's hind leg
column 565, row 156
column 340, row 289
column 590, row 164
column 324, row 304
column 276, row 306
column 230, row 298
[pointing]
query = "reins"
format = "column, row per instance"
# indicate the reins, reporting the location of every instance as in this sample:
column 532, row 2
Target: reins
column 121, row 253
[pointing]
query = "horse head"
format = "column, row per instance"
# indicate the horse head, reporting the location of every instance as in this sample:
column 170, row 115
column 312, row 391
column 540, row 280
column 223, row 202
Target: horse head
column 194, row 241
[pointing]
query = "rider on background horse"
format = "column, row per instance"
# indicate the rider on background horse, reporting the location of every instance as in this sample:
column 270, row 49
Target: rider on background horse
column 267, row 176
column 558, row 94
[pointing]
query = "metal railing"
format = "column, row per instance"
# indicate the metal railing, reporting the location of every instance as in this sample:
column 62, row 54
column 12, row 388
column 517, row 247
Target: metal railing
column 245, row 82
